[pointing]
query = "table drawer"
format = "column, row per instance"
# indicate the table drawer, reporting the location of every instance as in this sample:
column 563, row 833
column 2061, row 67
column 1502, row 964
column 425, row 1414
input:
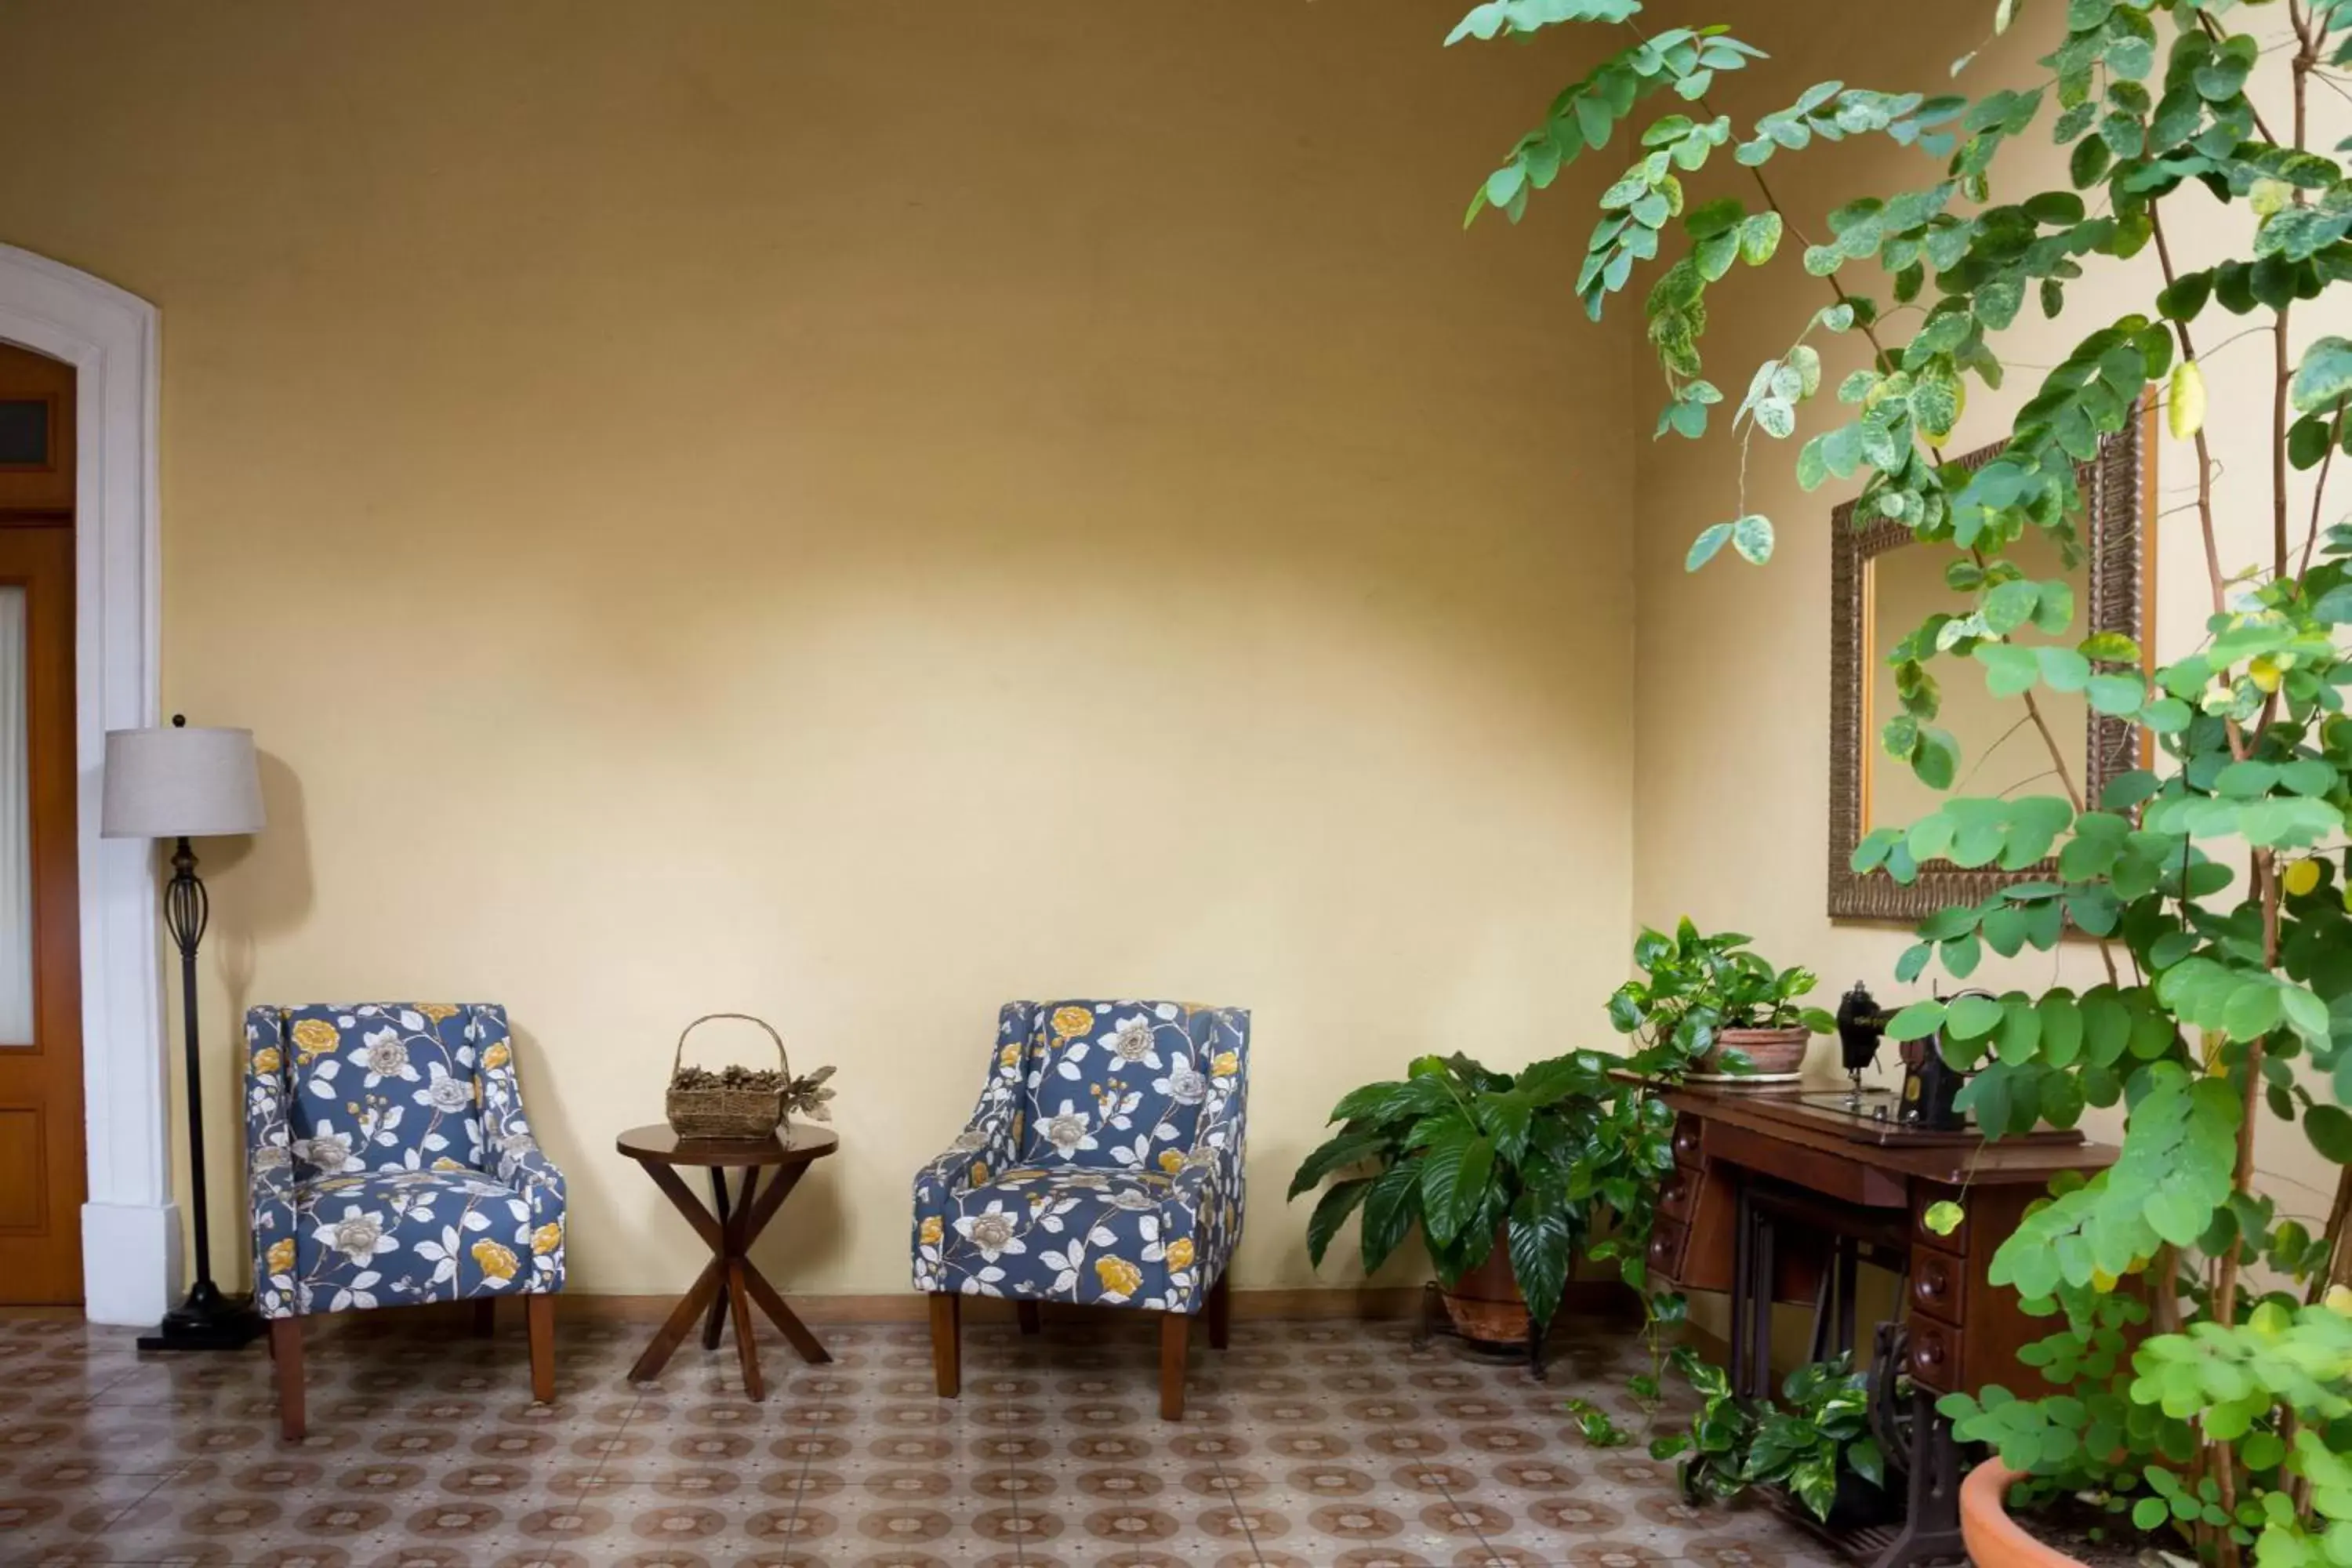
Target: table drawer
column 1827, row 1173
column 1678, row 1193
column 1689, row 1135
column 1927, row 1198
column 1935, row 1356
column 1666, row 1254
column 1940, row 1285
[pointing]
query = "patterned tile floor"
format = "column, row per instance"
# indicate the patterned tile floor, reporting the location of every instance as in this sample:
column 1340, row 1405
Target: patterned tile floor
column 1331, row 1443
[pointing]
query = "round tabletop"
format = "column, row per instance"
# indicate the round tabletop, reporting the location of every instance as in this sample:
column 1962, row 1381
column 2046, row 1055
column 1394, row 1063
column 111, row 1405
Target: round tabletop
column 799, row 1146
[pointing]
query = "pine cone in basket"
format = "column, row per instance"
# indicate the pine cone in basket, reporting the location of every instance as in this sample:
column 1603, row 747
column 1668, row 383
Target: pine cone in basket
column 765, row 1079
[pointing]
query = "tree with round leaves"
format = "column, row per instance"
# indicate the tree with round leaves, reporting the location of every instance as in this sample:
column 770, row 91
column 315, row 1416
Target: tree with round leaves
column 2204, row 1362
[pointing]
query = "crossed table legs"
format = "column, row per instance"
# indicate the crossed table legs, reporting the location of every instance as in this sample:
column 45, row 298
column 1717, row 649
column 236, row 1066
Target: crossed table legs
column 730, row 1282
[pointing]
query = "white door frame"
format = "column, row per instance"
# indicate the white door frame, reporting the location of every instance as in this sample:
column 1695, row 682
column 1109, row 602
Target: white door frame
column 130, row 1226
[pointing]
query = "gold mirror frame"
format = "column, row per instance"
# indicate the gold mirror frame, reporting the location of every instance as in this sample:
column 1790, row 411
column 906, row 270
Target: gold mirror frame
column 2119, row 491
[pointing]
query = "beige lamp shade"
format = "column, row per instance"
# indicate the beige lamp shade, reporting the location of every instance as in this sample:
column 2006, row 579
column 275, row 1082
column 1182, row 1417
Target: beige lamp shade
column 180, row 782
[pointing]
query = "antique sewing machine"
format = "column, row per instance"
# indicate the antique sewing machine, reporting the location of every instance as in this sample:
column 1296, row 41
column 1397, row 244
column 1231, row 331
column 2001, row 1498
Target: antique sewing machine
column 1780, row 1195
column 1930, row 1084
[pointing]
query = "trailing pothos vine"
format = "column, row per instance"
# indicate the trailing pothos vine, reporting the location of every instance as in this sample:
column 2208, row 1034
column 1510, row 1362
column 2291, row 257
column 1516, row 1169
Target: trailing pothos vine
column 2215, row 882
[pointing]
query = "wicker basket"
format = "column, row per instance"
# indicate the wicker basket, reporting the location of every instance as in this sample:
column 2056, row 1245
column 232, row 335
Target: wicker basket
column 721, row 1111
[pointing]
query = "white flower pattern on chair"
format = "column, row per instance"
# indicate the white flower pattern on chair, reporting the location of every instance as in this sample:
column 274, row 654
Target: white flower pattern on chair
column 1103, row 1163
column 391, row 1162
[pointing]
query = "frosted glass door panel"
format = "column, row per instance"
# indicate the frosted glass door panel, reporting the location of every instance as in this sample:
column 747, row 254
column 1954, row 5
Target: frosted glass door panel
column 15, row 830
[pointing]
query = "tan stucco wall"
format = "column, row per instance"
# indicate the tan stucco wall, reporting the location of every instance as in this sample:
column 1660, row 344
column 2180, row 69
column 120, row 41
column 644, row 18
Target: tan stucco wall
column 855, row 515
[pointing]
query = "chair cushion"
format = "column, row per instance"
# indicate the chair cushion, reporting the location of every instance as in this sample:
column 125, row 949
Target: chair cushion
column 385, row 1238
column 1116, row 1085
column 383, row 1087
column 1071, row 1233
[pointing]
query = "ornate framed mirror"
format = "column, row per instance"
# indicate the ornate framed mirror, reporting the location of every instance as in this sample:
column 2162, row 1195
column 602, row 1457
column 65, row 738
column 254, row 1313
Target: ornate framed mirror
column 1881, row 588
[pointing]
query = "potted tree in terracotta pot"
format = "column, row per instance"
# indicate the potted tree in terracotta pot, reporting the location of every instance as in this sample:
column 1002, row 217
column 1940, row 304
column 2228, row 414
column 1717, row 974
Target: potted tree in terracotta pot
column 1721, row 1013
column 1479, row 1163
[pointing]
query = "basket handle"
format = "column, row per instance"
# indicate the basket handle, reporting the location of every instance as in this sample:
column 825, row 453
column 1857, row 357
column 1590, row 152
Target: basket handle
column 677, row 1058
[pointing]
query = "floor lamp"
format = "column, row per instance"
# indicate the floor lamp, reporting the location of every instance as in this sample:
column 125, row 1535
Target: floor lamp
column 182, row 784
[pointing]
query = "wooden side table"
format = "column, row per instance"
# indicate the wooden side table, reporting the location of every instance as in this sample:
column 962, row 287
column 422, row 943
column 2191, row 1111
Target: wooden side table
column 728, row 1282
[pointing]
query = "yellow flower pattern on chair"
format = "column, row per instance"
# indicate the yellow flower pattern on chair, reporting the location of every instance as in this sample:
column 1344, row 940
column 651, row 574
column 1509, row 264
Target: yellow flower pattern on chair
column 1115, row 1133
column 391, row 1163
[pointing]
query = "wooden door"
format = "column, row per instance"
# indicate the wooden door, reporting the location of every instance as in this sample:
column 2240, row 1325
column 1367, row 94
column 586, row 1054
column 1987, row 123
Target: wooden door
column 41, row 1160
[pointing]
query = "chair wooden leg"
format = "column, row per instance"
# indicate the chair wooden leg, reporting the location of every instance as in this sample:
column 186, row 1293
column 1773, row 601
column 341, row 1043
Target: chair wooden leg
column 486, row 1318
column 1175, row 1327
column 947, row 1349
column 540, row 1316
column 1220, row 1313
column 285, row 1350
column 1032, row 1317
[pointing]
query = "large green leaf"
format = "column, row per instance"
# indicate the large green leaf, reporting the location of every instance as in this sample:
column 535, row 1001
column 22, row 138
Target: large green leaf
column 2020, row 1030
column 1711, row 540
column 2107, row 1025
column 1390, row 1209
column 1970, row 1017
column 2117, row 696
column 1392, row 1102
column 1441, row 1180
column 1547, row 1082
column 2009, row 668
column 1505, row 1118
column 2061, row 1028
column 2179, row 1151
column 2324, row 379
column 2330, row 1131
column 1496, row 18
column 1331, row 1214
column 1345, row 1149
column 1543, row 1246
column 1752, row 537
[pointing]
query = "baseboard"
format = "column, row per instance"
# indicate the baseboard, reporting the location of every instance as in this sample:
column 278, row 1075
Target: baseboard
column 911, row 1306
column 1365, row 1303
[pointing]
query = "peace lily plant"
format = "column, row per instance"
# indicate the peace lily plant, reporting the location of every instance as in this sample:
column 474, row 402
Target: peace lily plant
column 2205, row 1365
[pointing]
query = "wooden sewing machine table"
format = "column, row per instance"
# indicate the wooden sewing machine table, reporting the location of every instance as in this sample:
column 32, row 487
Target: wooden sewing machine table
column 1778, row 1193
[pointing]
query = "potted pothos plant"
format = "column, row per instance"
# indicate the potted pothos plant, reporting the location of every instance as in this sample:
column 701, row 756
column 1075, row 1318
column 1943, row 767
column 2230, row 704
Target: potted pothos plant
column 1479, row 1163
column 1717, row 1007
column 2202, row 1359
column 1816, row 1442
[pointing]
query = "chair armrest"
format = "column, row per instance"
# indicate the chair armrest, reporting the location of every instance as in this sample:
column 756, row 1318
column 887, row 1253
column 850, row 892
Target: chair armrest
column 523, row 1165
column 512, row 1154
column 269, row 1164
column 1204, row 1201
column 987, row 1146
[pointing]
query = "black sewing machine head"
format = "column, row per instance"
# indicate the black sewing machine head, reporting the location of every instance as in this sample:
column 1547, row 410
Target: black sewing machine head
column 1929, row 1084
column 1861, row 1025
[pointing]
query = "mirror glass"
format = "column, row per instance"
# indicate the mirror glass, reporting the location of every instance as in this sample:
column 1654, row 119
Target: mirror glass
column 1883, row 584
column 2001, row 753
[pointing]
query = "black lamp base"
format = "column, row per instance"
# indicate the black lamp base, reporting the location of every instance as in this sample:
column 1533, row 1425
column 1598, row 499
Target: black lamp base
column 207, row 1320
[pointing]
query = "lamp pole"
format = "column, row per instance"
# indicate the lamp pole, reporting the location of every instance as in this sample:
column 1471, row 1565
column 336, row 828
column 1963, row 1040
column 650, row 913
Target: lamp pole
column 207, row 1320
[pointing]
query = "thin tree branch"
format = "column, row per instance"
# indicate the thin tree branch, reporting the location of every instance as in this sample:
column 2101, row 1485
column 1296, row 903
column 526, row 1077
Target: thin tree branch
column 2319, row 492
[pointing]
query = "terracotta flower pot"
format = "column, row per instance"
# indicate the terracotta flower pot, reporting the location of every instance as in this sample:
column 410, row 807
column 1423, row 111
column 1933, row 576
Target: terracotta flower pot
column 1485, row 1304
column 1768, row 1051
column 1994, row 1540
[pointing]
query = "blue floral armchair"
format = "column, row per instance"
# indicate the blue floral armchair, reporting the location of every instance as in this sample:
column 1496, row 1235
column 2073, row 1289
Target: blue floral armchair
column 1103, row 1166
column 391, row 1164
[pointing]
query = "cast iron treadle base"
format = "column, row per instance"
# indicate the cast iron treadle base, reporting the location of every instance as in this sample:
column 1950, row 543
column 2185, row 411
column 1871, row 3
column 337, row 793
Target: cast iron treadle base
column 1433, row 1321
column 1863, row 1544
